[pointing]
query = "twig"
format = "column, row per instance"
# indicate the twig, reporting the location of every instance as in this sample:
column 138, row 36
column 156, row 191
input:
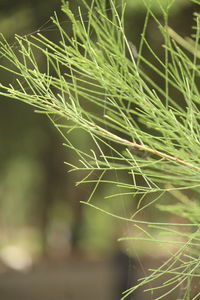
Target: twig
column 150, row 150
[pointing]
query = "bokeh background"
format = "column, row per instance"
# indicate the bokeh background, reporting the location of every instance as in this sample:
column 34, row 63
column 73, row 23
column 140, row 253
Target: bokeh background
column 51, row 247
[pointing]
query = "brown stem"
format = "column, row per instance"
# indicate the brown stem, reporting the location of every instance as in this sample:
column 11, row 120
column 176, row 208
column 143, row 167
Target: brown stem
column 150, row 150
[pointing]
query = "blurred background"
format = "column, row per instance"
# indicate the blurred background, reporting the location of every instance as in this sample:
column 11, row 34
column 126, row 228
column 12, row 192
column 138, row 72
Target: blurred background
column 51, row 247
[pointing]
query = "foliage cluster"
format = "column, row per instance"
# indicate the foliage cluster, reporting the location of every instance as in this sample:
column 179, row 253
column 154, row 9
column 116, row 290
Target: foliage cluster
column 137, row 125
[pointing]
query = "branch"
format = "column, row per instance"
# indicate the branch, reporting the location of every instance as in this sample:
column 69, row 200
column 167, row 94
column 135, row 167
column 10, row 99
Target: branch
column 150, row 150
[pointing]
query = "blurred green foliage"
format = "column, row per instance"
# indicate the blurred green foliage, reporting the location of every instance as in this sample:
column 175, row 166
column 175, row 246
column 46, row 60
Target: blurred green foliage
column 156, row 5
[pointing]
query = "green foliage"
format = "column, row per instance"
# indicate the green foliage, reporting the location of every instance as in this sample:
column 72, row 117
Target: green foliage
column 92, row 82
column 157, row 5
